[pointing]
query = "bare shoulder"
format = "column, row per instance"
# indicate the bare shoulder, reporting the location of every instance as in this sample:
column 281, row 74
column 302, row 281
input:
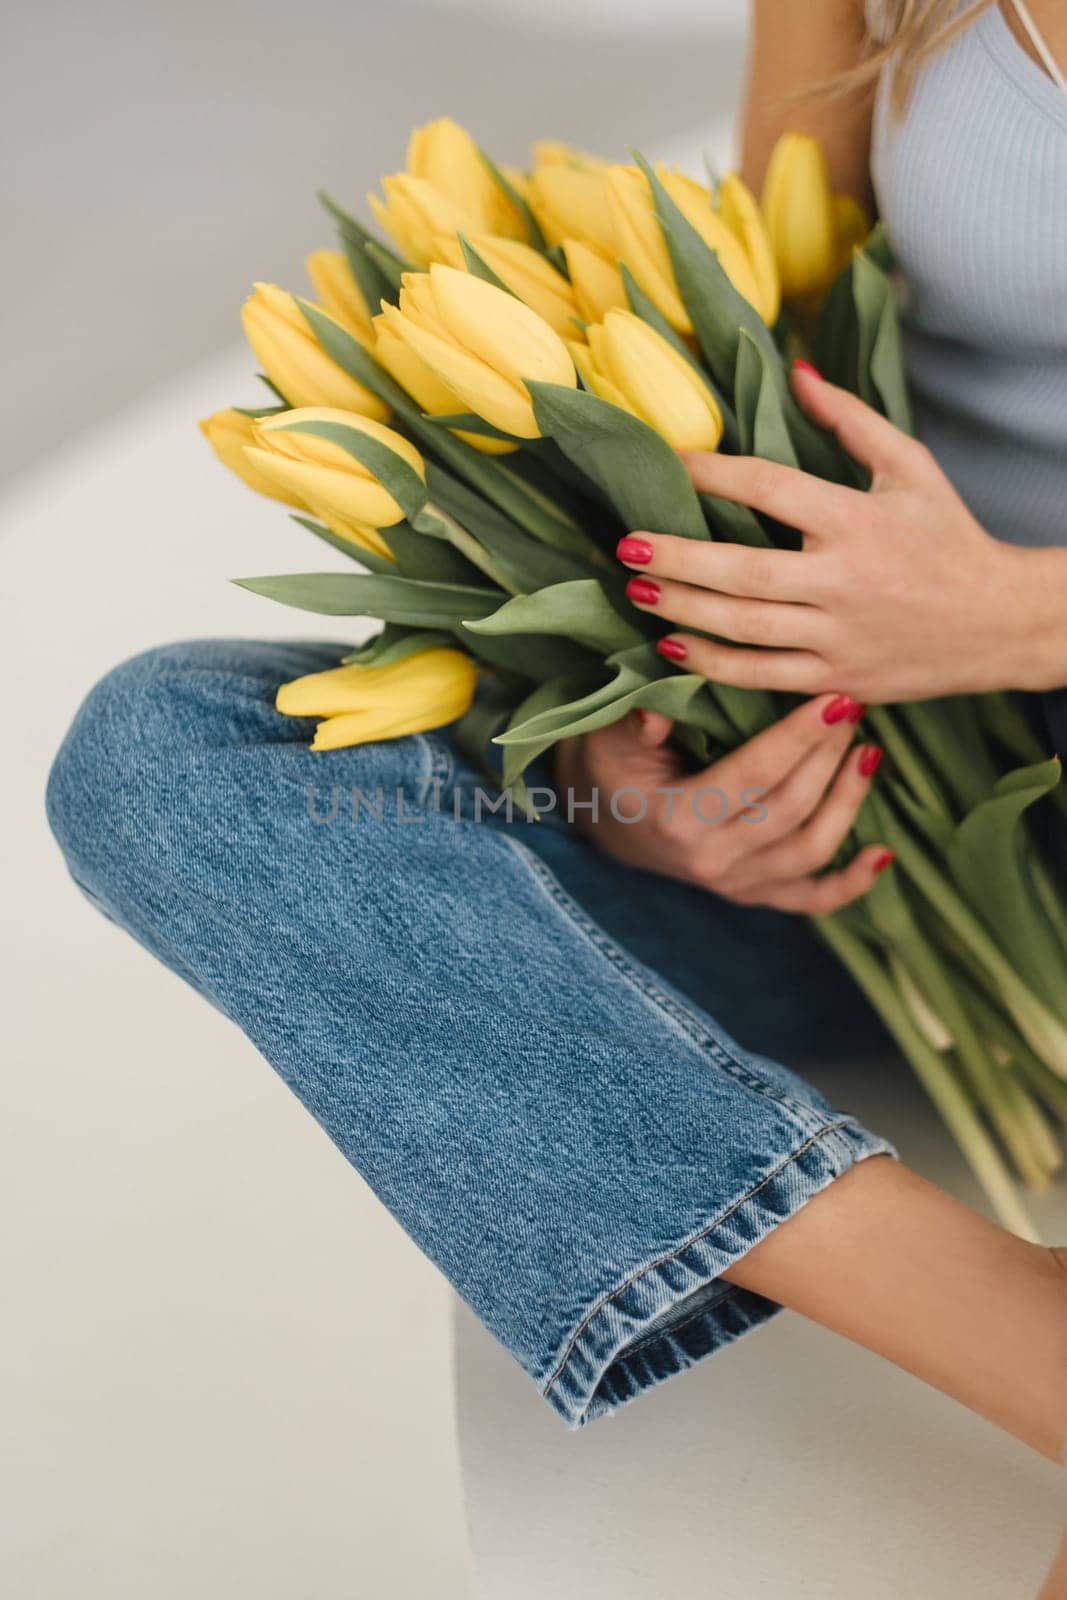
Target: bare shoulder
column 794, row 46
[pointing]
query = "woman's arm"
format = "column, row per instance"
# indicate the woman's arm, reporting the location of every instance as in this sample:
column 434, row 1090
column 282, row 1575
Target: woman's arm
column 793, row 47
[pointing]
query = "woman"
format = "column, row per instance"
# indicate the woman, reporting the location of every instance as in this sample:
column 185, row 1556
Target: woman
column 549, row 1048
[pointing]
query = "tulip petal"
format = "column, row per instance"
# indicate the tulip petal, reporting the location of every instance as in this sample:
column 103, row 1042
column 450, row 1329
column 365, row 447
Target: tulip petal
column 228, row 432
column 484, row 391
column 506, row 334
column 597, row 284
column 338, row 292
column 740, row 212
column 640, row 243
column 295, row 363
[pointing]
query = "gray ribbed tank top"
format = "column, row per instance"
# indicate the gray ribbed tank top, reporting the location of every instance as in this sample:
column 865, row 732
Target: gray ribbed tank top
column 972, row 186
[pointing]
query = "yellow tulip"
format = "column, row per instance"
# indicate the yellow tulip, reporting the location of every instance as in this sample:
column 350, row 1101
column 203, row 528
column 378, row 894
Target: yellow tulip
column 798, row 207
column 740, row 211
column 641, row 245
column 851, row 227
column 552, row 153
column 633, row 366
column 332, row 483
column 228, row 432
column 292, row 359
column 572, row 203
column 445, row 155
column 520, row 182
column 481, row 342
column 526, row 273
column 338, row 291
column 426, row 388
column 415, row 212
column 359, row 704
column 597, row 284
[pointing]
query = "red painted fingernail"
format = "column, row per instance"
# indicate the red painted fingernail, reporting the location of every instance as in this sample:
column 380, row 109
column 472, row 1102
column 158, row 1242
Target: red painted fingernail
column 886, row 859
column 840, row 707
column 673, row 649
column 638, row 552
column 870, row 756
column 856, row 713
column 643, row 591
column 806, row 366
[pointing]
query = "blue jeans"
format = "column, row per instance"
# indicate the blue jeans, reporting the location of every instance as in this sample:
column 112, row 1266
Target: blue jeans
column 528, row 1050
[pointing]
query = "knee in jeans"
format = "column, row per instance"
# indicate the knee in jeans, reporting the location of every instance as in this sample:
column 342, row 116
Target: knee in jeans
column 147, row 704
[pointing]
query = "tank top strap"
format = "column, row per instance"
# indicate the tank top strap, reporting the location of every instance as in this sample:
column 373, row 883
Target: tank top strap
column 1037, row 39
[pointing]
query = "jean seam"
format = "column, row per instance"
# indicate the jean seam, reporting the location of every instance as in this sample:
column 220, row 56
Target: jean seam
column 684, row 1019
column 686, row 1244
column 729, row 1292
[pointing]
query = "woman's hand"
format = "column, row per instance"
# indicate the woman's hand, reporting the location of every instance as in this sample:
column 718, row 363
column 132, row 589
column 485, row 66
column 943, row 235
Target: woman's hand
column 898, row 593
column 755, row 827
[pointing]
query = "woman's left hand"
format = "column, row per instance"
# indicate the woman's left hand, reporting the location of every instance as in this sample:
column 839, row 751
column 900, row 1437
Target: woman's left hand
column 897, row 594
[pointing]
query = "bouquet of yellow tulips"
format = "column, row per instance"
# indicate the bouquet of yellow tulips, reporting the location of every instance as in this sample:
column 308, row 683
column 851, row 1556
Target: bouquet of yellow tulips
column 476, row 411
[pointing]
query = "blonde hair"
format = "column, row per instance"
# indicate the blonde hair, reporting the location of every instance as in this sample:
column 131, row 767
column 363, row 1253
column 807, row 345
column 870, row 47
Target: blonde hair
column 908, row 33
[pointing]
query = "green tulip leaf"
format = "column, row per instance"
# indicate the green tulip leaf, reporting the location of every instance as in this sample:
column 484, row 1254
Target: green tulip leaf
column 470, row 422
column 989, row 859
column 876, row 248
column 634, row 467
column 561, row 689
column 521, row 563
column 478, row 267
column 534, row 236
column 718, row 313
column 871, row 293
column 341, row 594
column 366, row 558
column 390, row 265
column 579, row 610
column 395, row 644
column 373, row 284
column 761, row 418
column 255, row 412
column 887, row 370
column 532, row 657
column 634, row 684
column 419, row 555
column 835, row 349
column 735, row 523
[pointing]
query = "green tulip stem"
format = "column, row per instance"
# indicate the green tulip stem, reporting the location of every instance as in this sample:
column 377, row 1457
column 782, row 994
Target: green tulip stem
column 986, row 1082
column 468, row 545
column 907, row 760
column 1042, row 1029
column 936, row 1076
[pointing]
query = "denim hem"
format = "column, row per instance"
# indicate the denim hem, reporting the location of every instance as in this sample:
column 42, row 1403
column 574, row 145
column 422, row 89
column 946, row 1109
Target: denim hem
column 675, row 1310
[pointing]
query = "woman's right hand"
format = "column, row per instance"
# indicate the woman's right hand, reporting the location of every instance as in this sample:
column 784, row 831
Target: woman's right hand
column 786, row 800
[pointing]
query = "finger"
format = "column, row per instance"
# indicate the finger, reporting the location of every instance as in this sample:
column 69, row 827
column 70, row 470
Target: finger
column 831, row 804
column 817, row 897
column 796, row 498
column 765, row 622
column 865, row 434
column 729, row 568
column 653, row 729
column 766, row 760
column 795, row 671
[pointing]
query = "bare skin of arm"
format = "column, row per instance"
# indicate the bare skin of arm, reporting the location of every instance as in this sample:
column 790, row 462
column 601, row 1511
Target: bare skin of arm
column 880, row 1256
